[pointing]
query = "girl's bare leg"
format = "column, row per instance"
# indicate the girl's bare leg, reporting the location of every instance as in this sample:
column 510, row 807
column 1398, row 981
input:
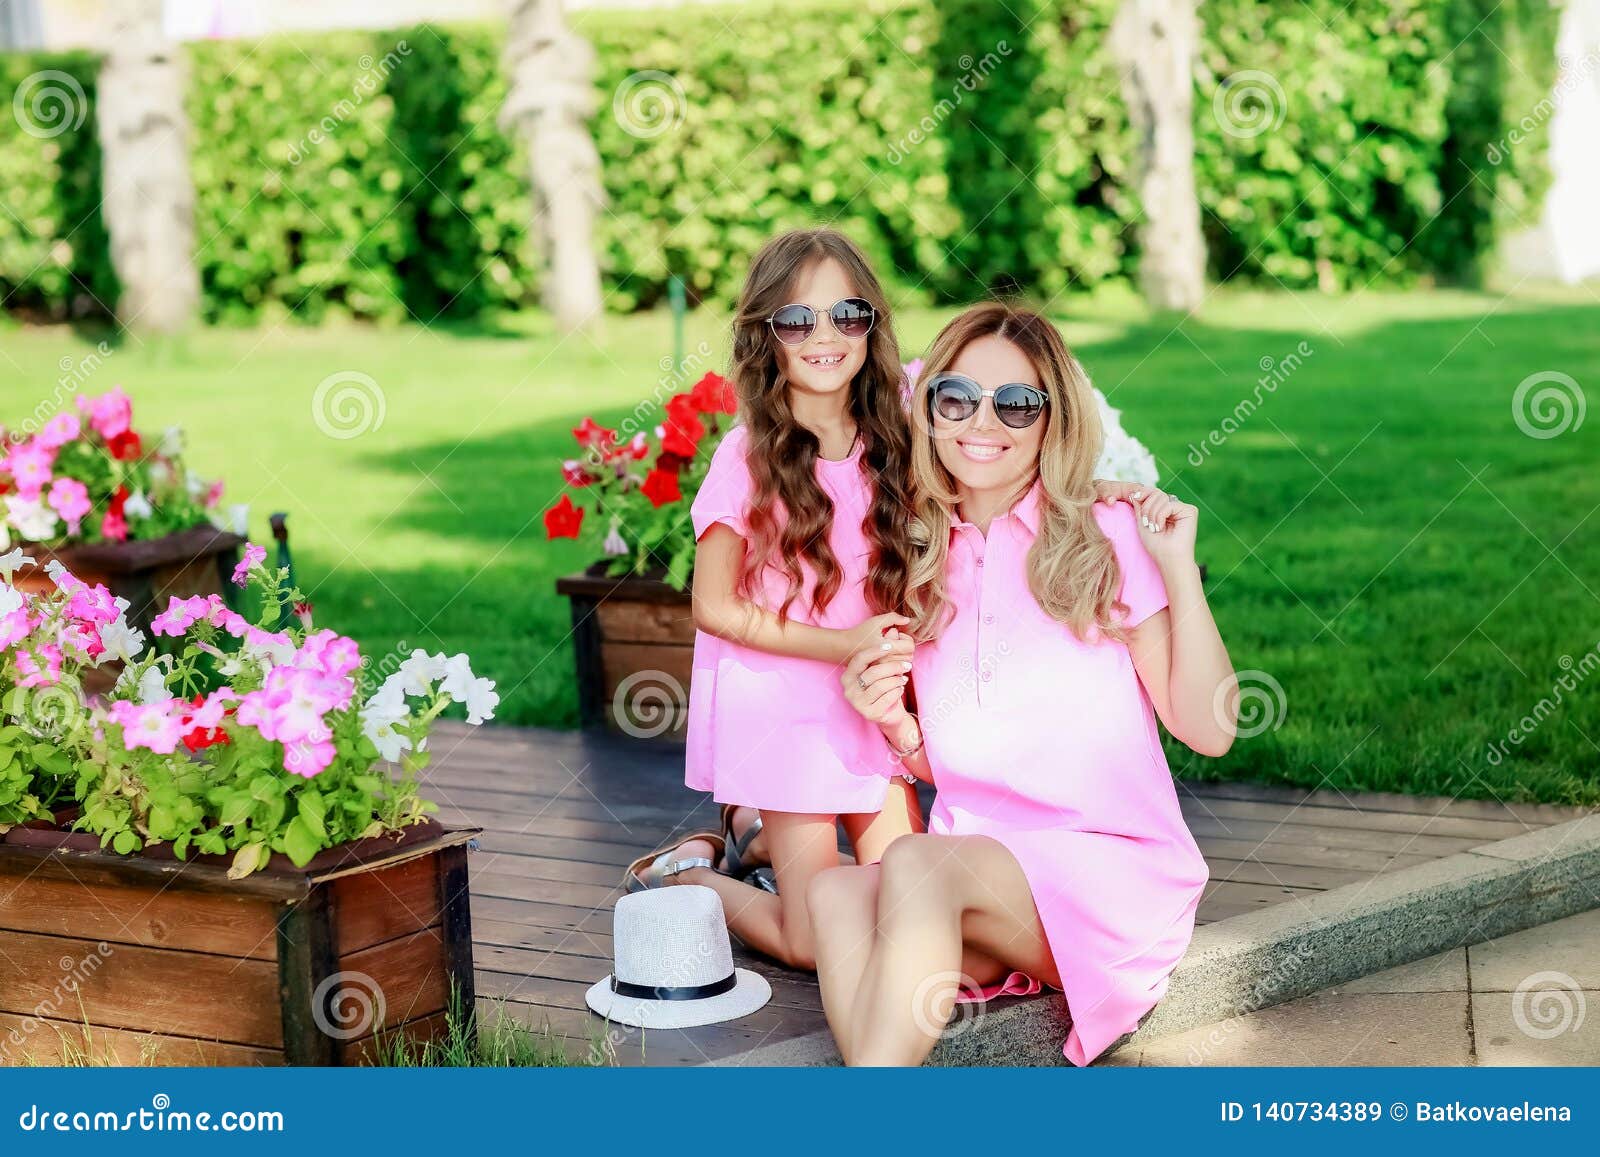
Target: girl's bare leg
column 779, row 926
column 939, row 896
column 871, row 833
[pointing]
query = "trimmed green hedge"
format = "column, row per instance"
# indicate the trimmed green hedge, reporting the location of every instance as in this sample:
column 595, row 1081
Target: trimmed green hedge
column 968, row 146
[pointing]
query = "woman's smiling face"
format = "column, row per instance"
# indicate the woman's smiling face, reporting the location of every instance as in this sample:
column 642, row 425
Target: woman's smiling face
column 825, row 362
column 982, row 453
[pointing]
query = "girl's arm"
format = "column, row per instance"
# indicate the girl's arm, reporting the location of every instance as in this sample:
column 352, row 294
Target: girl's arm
column 1178, row 652
column 720, row 611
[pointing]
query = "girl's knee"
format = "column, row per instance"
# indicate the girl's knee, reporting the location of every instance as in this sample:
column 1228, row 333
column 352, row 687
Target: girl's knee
column 914, row 865
column 829, row 889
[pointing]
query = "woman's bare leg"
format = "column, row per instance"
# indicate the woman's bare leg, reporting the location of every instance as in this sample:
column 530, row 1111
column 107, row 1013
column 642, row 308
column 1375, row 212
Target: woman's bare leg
column 844, row 913
column 779, row 926
column 941, row 899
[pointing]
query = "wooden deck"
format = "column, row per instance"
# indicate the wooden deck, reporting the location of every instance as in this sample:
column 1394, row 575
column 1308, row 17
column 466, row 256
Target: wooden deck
column 562, row 813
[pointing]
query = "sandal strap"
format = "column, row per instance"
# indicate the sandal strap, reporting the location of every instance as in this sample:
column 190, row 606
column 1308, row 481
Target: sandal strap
column 673, row 867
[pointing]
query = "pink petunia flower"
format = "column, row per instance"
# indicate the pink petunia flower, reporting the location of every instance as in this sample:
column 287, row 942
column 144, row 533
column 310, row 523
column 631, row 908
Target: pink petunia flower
column 58, row 431
column 155, row 726
column 40, row 667
column 180, row 615
column 30, row 466
column 110, row 414
column 70, row 499
column 253, row 554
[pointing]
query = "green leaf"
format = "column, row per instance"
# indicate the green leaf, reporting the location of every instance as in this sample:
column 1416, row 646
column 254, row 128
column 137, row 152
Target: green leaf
column 125, row 843
column 300, row 843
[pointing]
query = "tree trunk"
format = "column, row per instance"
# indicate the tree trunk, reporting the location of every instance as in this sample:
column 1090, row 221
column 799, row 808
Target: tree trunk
column 1155, row 42
column 549, row 101
column 148, row 201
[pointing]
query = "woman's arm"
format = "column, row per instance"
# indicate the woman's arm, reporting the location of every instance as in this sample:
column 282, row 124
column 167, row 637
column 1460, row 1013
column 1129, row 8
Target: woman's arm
column 875, row 683
column 720, row 611
column 1178, row 652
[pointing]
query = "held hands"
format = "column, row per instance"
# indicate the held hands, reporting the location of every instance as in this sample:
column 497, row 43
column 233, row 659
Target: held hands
column 875, row 678
column 1166, row 526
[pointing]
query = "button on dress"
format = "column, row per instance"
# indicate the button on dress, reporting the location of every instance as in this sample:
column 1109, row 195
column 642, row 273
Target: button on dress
column 1048, row 744
column 770, row 731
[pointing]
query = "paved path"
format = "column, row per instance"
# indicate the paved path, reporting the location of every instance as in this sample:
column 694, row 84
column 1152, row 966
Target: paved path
column 564, row 812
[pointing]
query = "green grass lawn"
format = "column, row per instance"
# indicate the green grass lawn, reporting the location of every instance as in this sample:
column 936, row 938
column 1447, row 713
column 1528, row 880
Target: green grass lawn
column 1384, row 543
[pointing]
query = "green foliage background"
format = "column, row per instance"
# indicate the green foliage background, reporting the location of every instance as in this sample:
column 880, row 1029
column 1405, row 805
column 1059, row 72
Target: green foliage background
column 969, row 146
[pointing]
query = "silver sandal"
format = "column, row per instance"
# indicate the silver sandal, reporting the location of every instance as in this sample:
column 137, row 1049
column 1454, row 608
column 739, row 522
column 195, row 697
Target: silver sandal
column 652, row 869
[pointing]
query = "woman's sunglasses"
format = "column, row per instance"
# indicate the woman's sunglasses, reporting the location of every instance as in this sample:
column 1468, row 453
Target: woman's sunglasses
column 852, row 317
column 956, row 397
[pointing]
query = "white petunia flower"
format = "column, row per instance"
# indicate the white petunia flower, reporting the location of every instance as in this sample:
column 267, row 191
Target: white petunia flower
column 457, row 677
column 13, row 561
column 153, row 685
column 172, row 441
column 121, row 641
column 33, row 519
column 481, row 699
column 137, row 506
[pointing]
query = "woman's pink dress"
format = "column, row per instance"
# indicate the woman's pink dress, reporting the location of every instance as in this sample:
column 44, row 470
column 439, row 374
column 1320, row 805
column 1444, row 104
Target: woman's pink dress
column 1049, row 745
column 766, row 730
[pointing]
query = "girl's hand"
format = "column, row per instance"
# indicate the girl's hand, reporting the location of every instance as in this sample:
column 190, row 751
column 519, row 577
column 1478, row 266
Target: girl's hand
column 1167, row 527
column 1113, row 492
column 874, row 684
column 873, row 634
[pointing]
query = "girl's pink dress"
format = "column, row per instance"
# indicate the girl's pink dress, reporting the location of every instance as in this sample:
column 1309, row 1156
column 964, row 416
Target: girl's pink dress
column 766, row 730
column 1049, row 745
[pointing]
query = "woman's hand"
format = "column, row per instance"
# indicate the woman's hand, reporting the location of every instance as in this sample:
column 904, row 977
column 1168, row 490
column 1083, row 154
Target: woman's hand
column 875, row 681
column 1167, row 528
column 1113, row 492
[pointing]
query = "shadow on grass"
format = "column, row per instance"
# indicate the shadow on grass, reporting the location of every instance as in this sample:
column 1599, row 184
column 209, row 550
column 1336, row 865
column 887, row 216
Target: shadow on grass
column 1394, row 561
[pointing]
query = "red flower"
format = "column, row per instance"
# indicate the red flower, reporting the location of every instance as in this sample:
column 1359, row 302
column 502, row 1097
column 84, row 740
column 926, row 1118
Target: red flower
column 114, row 526
column 563, row 519
column 125, row 447
column 682, row 431
column 638, row 447
column 574, row 473
column 666, row 461
column 591, row 435
column 200, row 738
column 661, row 487
column 714, row 394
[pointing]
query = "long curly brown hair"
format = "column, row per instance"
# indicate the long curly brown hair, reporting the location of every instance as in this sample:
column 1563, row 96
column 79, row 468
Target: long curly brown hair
column 782, row 454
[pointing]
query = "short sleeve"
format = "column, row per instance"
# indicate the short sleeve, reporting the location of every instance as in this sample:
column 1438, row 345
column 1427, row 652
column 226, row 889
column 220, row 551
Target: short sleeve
column 1142, row 590
column 724, row 493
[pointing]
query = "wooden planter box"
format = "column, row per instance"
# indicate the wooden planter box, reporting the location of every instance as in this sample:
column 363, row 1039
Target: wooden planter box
column 635, row 649
column 135, row 951
column 197, row 561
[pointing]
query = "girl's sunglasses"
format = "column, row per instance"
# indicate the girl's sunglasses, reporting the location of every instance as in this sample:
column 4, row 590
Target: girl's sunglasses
column 956, row 397
column 852, row 317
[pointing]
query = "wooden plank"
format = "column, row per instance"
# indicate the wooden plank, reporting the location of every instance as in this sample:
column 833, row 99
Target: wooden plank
column 1313, row 815
column 1307, row 855
column 596, row 896
column 374, row 907
column 143, row 915
column 35, row 1041
column 305, row 961
column 364, row 1051
column 593, row 851
column 1535, row 815
column 624, row 660
column 96, row 869
column 630, row 622
column 790, row 989
column 410, row 972
column 1249, row 896
column 456, row 901
column 539, row 913
column 569, row 941
column 1295, row 875
column 1236, row 829
column 556, row 871
column 193, row 994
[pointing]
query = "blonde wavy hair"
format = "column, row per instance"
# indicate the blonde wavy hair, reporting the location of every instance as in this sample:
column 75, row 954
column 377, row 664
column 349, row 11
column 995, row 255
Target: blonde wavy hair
column 1072, row 569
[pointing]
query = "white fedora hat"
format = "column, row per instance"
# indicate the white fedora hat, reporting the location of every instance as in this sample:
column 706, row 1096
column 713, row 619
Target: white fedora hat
column 673, row 965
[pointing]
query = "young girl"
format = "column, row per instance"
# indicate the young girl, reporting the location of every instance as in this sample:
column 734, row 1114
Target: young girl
column 1059, row 629
column 803, row 560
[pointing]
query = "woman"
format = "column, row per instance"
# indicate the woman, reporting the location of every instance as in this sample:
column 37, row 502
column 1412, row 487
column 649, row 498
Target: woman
column 1052, row 632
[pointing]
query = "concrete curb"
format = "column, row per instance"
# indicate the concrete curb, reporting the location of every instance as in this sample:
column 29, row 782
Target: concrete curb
column 1300, row 946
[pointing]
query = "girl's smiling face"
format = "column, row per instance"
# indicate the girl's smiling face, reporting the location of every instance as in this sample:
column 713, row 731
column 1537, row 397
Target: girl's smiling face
column 982, row 453
column 825, row 362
